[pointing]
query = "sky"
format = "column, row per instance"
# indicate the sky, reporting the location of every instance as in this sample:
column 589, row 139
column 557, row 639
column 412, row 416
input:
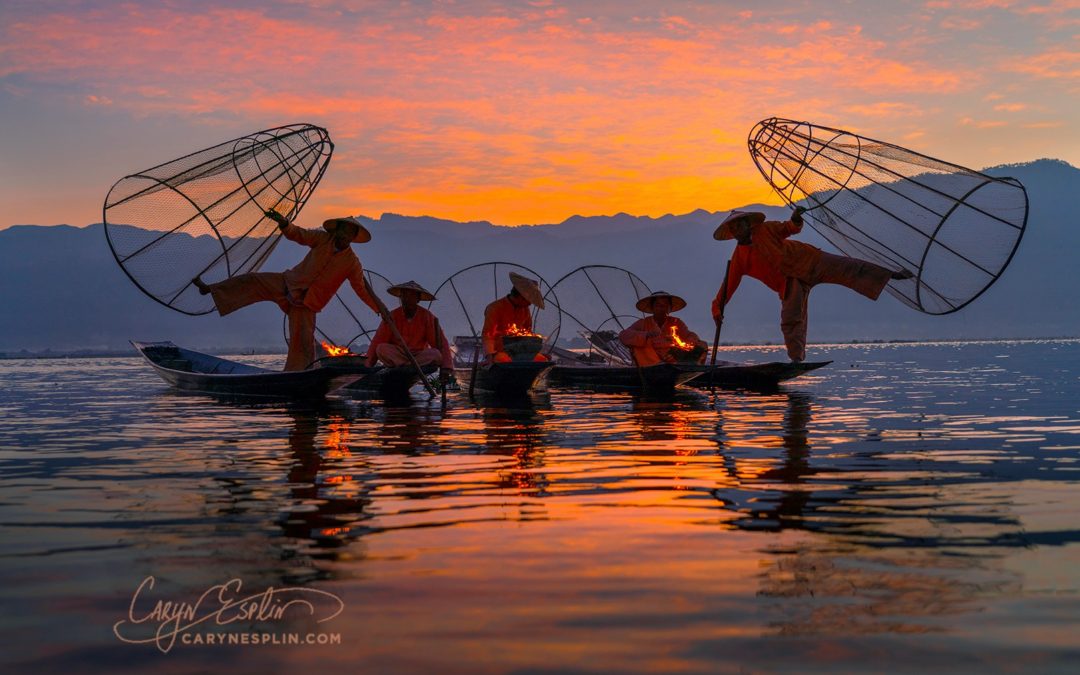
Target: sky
column 519, row 112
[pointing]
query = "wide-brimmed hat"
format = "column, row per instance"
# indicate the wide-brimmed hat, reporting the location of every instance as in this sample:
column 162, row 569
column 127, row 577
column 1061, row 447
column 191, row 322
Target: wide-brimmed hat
column 529, row 289
column 724, row 231
column 645, row 304
column 425, row 294
column 362, row 234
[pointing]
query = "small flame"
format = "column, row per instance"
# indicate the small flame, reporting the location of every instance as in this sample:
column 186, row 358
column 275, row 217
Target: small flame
column 685, row 346
column 514, row 331
column 334, row 350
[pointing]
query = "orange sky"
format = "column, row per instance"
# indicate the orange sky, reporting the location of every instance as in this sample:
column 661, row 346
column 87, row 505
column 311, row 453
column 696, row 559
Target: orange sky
column 523, row 112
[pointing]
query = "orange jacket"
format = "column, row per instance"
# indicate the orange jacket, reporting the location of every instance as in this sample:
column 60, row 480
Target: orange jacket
column 637, row 338
column 320, row 274
column 419, row 333
column 770, row 258
column 499, row 316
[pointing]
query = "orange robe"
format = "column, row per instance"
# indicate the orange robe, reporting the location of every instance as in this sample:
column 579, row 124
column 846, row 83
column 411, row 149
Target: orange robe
column 636, row 337
column 419, row 334
column 499, row 316
column 300, row 292
column 771, row 258
column 792, row 268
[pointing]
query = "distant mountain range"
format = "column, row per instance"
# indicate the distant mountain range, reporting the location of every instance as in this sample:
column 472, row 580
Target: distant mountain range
column 62, row 290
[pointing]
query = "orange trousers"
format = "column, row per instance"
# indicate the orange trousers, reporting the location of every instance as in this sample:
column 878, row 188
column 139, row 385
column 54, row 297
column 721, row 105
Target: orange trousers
column 246, row 289
column 865, row 278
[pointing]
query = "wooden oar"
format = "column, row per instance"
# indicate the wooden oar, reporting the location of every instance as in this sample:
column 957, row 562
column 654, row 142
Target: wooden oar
column 385, row 314
column 475, row 364
column 719, row 323
column 439, row 346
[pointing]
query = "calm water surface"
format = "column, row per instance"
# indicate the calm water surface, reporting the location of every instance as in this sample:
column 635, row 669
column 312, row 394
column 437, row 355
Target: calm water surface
column 912, row 508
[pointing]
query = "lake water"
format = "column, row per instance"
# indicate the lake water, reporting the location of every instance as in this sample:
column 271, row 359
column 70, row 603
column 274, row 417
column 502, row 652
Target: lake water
column 909, row 508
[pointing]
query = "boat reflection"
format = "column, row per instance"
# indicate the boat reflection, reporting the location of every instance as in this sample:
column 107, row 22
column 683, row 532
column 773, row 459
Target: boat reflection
column 864, row 551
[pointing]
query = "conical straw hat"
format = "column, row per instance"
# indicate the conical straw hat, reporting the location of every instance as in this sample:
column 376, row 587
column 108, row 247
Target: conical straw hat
column 425, row 294
column 724, row 231
column 362, row 234
column 645, row 304
column 528, row 288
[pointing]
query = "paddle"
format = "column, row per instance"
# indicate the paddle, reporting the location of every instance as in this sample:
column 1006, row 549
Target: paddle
column 475, row 363
column 439, row 346
column 385, row 314
column 719, row 322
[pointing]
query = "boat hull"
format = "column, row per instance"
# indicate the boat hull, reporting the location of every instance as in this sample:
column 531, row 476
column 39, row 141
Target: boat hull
column 658, row 379
column 507, row 379
column 389, row 383
column 188, row 370
column 754, row 376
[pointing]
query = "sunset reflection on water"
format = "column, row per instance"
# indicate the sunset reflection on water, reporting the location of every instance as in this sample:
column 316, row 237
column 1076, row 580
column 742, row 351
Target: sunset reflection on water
column 909, row 498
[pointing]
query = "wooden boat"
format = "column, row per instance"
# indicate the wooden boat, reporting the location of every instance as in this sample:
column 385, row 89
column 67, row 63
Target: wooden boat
column 389, row 383
column 189, row 370
column 659, row 379
column 515, row 378
column 750, row 376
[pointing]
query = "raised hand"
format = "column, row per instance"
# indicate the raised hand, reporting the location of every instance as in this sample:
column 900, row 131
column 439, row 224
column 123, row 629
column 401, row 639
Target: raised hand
column 273, row 215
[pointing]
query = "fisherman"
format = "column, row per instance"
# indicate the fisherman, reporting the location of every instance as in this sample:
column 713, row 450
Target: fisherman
column 791, row 268
column 656, row 338
column 419, row 329
column 304, row 290
column 510, row 314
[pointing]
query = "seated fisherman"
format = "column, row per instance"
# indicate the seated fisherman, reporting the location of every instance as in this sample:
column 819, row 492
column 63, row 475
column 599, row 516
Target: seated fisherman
column 417, row 326
column 300, row 292
column 791, row 268
column 655, row 339
column 509, row 314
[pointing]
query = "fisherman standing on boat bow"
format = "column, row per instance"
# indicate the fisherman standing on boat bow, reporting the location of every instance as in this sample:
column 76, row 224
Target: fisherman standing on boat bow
column 418, row 328
column 304, row 290
column 509, row 315
column 657, row 338
column 791, row 268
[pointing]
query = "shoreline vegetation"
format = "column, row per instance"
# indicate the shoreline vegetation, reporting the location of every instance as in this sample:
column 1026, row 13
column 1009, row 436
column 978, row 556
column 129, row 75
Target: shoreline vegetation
column 25, row 354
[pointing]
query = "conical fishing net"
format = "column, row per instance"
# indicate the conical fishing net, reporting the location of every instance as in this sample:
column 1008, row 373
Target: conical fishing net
column 203, row 214
column 460, row 302
column 955, row 228
column 346, row 321
column 597, row 303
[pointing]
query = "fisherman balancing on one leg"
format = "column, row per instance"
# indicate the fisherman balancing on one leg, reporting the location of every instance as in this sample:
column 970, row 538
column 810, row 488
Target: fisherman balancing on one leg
column 791, row 268
column 304, row 290
column 419, row 329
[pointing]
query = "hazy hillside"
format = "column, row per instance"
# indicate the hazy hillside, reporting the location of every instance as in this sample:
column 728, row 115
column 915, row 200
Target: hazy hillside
column 64, row 291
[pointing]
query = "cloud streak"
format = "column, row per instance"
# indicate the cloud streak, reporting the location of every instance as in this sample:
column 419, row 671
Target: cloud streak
column 531, row 112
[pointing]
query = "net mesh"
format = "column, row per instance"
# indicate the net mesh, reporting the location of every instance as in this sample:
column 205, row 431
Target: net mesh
column 597, row 303
column 460, row 302
column 955, row 228
column 204, row 214
column 346, row 321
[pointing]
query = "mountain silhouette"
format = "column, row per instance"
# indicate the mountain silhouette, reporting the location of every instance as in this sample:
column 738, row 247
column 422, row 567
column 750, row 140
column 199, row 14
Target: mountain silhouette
column 64, row 291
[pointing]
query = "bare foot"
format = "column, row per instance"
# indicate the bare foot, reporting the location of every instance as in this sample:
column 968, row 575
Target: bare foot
column 902, row 274
column 201, row 285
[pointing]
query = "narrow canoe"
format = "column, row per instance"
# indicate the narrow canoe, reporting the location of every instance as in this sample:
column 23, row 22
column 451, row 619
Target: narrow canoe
column 507, row 379
column 390, row 383
column 753, row 376
column 189, row 370
column 658, row 379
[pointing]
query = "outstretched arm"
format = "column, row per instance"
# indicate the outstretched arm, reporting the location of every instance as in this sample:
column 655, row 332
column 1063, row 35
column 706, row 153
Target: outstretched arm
column 359, row 285
column 294, row 233
column 793, row 226
column 734, row 277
